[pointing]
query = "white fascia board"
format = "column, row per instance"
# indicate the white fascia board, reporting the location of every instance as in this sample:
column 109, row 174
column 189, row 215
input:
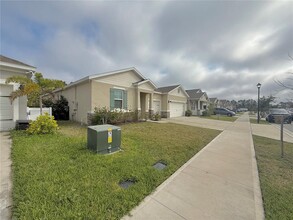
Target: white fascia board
column 28, row 68
column 116, row 72
column 145, row 81
column 179, row 86
column 96, row 76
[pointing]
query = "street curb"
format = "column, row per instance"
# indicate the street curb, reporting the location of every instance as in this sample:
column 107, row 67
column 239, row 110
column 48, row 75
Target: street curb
column 258, row 201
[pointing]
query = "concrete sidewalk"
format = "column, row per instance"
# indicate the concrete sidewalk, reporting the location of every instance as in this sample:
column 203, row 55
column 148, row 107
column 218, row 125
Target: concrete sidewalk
column 220, row 182
column 5, row 176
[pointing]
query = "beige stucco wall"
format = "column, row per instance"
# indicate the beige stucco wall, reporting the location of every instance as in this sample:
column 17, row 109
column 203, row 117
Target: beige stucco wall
column 125, row 79
column 79, row 100
column 101, row 95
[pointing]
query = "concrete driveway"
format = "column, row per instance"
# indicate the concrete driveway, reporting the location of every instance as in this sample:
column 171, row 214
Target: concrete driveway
column 270, row 131
column 201, row 122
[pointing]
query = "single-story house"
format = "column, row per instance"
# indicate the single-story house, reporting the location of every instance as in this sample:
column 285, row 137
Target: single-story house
column 197, row 101
column 124, row 89
column 10, row 112
column 173, row 99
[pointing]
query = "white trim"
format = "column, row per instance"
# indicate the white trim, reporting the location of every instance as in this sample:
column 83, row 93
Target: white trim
column 17, row 66
column 145, row 81
column 119, row 88
column 155, row 100
column 180, row 86
column 96, row 76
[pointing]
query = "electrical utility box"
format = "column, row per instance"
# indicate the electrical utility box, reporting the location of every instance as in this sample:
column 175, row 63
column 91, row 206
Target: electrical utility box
column 104, row 139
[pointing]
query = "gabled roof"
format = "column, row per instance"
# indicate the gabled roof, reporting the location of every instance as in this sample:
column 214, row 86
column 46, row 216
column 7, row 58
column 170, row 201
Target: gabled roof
column 213, row 100
column 8, row 60
column 167, row 89
column 96, row 76
column 195, row 93
column 145, row 81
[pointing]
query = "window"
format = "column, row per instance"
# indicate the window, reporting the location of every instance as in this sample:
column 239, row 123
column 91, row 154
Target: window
column 118, row 99
column 118, row 104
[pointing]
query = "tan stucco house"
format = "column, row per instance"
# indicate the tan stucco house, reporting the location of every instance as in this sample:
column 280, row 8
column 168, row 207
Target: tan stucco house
column 124, row 89
column 198, row 101
column 11, row 112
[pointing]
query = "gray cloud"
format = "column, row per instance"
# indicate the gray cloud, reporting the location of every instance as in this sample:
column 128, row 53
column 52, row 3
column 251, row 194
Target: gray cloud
column 222, row 47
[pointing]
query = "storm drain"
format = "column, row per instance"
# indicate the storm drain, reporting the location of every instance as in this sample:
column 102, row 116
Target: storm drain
column 159, row 165
column 126, row 183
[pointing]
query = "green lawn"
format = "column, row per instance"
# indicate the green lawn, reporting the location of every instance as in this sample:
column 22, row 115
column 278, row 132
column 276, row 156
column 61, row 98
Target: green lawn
column 56, row 177
column 276, row 177
column 254, row 121
column 220, row 117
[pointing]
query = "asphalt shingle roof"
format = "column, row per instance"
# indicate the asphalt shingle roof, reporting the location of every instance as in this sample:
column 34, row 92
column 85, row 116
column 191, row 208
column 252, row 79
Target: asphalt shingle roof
column 194, row 93
column 166, row 89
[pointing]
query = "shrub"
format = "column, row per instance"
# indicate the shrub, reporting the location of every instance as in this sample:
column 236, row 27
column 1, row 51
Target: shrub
column 156, row 117
column 116, row 116
column 45, row 124
column 205, row 113
column 188, row 113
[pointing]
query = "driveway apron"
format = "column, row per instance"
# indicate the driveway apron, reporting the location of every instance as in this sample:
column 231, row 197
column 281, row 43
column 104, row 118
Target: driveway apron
column 5, row 174
column 219, row 182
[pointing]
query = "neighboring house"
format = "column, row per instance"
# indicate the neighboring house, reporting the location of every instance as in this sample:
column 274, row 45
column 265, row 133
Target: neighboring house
column 214, row 102
column 10, row 112
column 125, row 89
column 173, row 99
column 223, row 103
column 198, row 101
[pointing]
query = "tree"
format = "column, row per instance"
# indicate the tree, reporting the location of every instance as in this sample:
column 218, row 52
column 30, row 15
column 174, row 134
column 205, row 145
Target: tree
column 34, row 88
column 288, row 82
column 265, row 103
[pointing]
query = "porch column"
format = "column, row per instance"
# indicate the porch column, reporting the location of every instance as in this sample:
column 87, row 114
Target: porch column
column 198, row 107
column 138, row 106
column 151, row 109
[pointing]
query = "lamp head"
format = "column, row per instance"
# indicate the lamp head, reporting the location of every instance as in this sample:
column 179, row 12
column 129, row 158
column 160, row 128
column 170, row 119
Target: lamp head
column 258, row 85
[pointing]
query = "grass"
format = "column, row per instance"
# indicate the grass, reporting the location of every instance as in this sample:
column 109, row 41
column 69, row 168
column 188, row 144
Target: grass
column 56, row 177
column 254, row 121
column 220, row 117
column 276, row 177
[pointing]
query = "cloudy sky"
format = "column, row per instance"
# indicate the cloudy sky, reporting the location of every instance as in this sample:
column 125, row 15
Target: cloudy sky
column 223, row 47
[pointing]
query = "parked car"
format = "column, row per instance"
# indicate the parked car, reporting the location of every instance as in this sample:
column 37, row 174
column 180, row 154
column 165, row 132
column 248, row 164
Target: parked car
column 223, row 111
column 275, row 112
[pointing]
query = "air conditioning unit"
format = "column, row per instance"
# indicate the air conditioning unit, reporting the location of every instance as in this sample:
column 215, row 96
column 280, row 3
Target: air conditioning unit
column 104, row 139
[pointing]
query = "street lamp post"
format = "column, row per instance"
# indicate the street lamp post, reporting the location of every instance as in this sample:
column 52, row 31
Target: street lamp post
column 258, row 89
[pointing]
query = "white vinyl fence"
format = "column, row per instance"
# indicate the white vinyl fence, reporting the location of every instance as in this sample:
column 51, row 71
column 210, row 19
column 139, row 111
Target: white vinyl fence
column 33, row 113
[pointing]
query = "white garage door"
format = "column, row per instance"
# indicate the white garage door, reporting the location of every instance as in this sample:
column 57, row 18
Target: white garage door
column 6, row 108
column 157, row 107
column 176, row 109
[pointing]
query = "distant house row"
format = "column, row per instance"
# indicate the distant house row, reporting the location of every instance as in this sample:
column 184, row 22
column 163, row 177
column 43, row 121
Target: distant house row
column 125, row 89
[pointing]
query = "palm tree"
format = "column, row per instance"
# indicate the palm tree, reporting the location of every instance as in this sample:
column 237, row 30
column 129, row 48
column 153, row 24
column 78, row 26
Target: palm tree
column 36, row 87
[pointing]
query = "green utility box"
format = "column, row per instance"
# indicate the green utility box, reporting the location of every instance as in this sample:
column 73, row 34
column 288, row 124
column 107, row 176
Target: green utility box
column 104, row 139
